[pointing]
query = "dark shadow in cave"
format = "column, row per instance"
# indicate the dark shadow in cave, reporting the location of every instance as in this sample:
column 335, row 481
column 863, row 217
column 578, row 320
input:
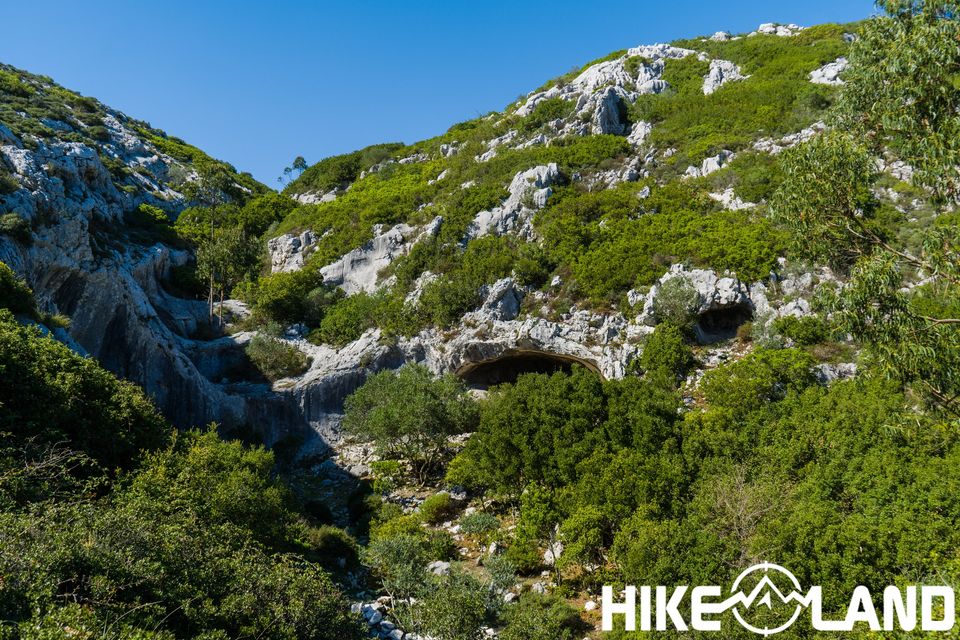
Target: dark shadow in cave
column 721, row 324
column 512, row 364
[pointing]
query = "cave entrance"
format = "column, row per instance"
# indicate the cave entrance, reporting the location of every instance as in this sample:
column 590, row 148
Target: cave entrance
column 721, row 324
column 512, row 364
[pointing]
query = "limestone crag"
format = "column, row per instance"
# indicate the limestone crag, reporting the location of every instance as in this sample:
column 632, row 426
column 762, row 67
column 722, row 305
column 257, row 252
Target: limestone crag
column 359, row 269
column 529, row 191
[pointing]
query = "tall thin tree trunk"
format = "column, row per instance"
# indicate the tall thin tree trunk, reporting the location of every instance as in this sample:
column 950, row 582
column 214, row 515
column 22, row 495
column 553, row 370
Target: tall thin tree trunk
column 210, row 299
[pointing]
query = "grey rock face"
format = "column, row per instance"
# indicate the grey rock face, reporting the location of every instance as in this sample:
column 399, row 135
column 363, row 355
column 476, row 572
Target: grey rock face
column 611, row 113
column 288, row 252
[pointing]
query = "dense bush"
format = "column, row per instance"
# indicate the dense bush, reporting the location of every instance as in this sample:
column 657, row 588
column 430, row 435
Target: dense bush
column 777, row 99
column 479, row 523
column 805, row 331
column 667, row 351
column 410, row 414
column 542, row 429
column 284, row 297
column 348, row 318
column 51, row 395
column 437, row 508
column 199, row 523
column 546, row 111
column 15, row 295
column 275, row 358
column 541, row 617
column 8, row 184
column 336, row 172
column 613, row 242
column 194, row 537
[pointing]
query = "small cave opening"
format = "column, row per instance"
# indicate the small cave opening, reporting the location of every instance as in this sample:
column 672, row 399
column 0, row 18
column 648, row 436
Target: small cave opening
column 511, row 365
column 721, row 324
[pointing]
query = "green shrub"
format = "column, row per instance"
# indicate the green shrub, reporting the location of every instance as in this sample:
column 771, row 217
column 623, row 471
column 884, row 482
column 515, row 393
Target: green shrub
column 409, row 414
column 18, row 228
column 14, row 293
column 275, row 358
column 666, row 350
column 455, row 608
column 547, row 111
column 152, row 224
column 99, row 133
column 283, row 297
column 441, row 545
column 185, row 280
column 776, row 100
column 337, row 171
column 541, row 617
column 437, row 508
column 51, row 395
column 387, row 476
column 611, row 241
column 805, row 331
column 761, row 377
column 332, row 547
column 347, row 319
column 8, row 183
column 676, row 303
column 479, row 524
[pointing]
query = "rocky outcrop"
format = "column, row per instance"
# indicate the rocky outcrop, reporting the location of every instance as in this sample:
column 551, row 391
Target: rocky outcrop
column 774, row 29
column 730, row 200
column 830, row 73
column 81, row 263
column 602, row 91
column 289, row 251
column 710, row 165
column 769, row 145
column 312, row 197
column 529, row 191
column 359, row 269
column 721, row 72
column 610, row 115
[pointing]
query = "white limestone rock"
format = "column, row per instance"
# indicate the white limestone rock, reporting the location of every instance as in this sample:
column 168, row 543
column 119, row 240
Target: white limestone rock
column 829, row 373
column 713, row 292
column 731, row 201
column 768, row 145
column 710, row 165
column 289, row 251
column 501, row 302
column 611, row 113
column 830, row 72
column 529, row 190
column 721, row 72
column 639, row 133
column 312, row 197
column 358, row 270
column 774, row 29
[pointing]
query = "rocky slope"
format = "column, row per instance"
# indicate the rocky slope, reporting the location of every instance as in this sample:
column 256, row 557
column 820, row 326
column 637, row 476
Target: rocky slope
column 75, row 173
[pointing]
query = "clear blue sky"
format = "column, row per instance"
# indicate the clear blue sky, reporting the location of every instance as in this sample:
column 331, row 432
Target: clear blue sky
column 257, row 83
